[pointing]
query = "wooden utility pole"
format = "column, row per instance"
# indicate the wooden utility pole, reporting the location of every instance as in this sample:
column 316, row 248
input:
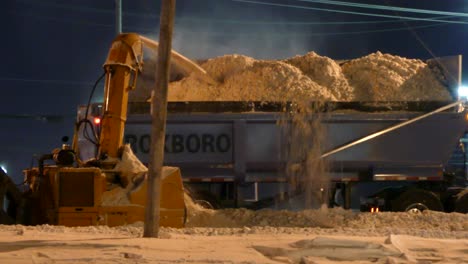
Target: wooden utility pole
column 118, row 17
column 158, row 131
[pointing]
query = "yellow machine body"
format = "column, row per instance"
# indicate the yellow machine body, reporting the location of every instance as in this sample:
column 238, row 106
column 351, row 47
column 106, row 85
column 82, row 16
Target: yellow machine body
column 73, row 197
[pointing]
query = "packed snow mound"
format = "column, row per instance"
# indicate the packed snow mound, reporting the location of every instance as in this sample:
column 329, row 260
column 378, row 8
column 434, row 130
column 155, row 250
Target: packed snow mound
column 249, row 81
column 335, row 221
column 385, row 77
column 192, row 88
column 428, row 223
column 273, row 81
column 223, row 67
column 129, row 165
column 129, row 168
column 311, row 77
column 326, row 72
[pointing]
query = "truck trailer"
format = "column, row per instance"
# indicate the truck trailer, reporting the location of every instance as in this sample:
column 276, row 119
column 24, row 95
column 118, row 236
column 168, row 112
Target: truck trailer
column 234, row 154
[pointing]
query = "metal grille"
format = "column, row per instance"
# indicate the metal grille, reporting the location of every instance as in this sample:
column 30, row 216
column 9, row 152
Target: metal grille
column 76, row 188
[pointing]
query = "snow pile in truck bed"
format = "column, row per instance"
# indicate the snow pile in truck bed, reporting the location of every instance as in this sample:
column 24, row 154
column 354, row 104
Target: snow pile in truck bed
column 222, row 68
column 376, row 77
column 385, row 77
column 325, row 72
column 245, row 79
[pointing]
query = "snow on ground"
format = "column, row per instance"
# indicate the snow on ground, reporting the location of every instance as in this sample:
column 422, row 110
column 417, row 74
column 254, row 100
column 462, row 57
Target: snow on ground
column 427, row 224
column 429, row 237
column 265, row 236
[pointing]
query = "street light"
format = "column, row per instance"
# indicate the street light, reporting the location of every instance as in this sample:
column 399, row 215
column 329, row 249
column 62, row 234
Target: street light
column 463, row 91
column 4, row 168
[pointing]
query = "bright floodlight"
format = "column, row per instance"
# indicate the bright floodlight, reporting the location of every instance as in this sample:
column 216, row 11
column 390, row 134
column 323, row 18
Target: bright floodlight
column 4, row 169
column 463, row 91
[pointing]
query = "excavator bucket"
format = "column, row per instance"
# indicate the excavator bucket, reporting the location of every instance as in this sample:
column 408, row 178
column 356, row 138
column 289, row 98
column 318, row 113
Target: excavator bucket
column 172, row 207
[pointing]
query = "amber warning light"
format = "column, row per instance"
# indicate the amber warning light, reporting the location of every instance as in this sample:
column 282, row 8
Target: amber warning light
column 97, row 120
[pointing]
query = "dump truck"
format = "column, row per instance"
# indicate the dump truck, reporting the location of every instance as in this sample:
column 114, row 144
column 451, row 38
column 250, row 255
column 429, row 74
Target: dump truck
column 380, row 156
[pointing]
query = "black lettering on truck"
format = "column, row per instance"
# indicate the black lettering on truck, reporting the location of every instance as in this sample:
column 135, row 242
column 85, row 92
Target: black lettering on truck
column 192, row 143
column 177, row 143
column 208, row 143
column 223, row 143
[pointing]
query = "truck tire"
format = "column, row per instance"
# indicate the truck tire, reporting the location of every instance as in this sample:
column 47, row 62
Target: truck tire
column 206, row 200
column 417, row 200
column 461, row 204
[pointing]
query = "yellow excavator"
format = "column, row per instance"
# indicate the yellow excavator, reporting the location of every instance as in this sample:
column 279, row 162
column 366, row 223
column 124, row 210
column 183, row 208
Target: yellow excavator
column 109, row 189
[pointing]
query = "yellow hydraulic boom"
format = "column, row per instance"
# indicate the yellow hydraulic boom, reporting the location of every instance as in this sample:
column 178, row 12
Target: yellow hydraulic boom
column 123, row 64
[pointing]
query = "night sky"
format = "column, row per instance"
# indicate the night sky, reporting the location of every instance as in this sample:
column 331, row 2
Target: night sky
column 53, row 50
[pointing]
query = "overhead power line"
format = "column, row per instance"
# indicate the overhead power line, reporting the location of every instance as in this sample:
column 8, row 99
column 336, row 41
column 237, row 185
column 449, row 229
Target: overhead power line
column 353, row 12
column 213, row 33
column 323, row 33
column 211, row 20
column 439, row 19
column 427, row 48
column 328, row 33
column 387, row 8
column 218, row 21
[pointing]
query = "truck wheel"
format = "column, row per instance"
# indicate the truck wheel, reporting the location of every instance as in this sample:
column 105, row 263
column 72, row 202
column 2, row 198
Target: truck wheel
column 461, row 205
column 416, row 200
column 206, row 200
